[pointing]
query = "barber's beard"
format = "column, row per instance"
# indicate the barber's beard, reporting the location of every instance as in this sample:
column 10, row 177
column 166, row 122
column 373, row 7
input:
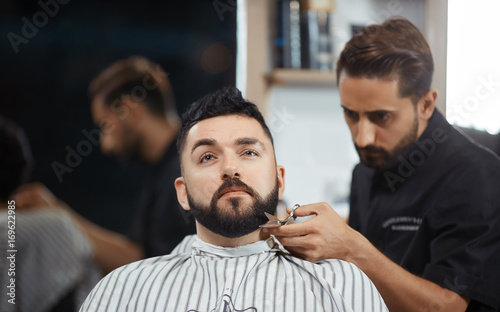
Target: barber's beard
column 386, row 159
column 243, row 219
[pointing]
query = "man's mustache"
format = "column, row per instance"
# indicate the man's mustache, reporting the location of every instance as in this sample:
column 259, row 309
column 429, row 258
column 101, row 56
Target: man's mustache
column 371, row 148
column 234, row 182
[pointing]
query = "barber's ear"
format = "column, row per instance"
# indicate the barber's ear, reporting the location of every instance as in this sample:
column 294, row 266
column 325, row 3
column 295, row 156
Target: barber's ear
column 281, row 180
column 180, row 187
column 427, row 104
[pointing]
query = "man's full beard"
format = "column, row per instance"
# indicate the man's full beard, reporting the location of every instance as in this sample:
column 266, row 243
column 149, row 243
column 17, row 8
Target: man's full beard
column 386, row 158
column 243, row 219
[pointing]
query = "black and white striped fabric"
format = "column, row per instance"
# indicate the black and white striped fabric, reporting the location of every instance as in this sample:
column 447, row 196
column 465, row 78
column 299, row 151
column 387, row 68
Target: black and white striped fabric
column 261, row 276
column 185, row 245
column 52, row 258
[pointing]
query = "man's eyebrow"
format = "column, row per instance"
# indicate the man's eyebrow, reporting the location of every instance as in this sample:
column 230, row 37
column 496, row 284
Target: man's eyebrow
column 202, row 142
column 347, row 109
column 249, row 141
column 378, row 111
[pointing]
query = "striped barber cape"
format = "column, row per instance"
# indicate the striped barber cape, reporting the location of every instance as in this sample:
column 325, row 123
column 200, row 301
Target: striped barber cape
column 52, row 258
column 262, row 276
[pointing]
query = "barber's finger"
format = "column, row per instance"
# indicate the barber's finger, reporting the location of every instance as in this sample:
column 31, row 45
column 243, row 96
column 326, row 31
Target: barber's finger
column 292, row 241
column 311, row 209
column 297, row 251
column 298, row 229
column 306, row 254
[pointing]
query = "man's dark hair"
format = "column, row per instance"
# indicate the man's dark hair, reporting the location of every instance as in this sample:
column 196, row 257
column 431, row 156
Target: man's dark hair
column 15, row 158
column 394, row 50
column 145, row 81
column 223, row 102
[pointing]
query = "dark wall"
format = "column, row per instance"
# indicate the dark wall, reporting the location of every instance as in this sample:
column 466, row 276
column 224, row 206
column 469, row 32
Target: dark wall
column 45, row 71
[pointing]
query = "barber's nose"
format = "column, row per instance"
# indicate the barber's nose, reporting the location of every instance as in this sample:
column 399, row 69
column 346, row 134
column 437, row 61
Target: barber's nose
column 230, row 167
column 366, row 133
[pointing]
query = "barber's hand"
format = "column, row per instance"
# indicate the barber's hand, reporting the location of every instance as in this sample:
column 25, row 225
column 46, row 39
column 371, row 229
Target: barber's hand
column 326, row 236
column 35, row 195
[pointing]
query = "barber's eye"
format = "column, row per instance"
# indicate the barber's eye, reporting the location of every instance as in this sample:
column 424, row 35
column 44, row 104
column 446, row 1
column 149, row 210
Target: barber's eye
column 379, row 117
column 382, row 116
column 350, row 114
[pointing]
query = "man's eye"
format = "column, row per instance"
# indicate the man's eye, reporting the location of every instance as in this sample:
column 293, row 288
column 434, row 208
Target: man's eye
column 207, row 158
column 249, row 153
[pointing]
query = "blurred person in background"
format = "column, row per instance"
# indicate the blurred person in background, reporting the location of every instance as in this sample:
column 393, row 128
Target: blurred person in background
column 46, row 261
column 132, row 103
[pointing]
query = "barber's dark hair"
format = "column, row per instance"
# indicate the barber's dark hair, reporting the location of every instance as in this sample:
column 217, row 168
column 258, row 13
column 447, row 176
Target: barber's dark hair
column 140, row 78
column 394, row 50
column 15, row 158
column 223, row 102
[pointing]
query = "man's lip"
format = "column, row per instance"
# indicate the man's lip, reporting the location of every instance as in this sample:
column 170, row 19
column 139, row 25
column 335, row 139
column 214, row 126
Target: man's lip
column 232, row 190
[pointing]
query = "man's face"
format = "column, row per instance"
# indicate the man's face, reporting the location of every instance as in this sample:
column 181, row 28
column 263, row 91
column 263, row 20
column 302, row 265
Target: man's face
column 382, row 124
column 230, row 175
column 118, row 137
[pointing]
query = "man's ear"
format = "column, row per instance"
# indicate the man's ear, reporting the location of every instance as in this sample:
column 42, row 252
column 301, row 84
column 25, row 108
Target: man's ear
column 180, row 187
column 280, row 171
column 427, row 104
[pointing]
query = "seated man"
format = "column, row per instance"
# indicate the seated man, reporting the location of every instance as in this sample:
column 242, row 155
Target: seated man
column 46, row 261
column 229, row 179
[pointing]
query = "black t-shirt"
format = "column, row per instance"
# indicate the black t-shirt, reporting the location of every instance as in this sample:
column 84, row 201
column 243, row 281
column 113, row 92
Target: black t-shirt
column 436, row 212
column 161, row 223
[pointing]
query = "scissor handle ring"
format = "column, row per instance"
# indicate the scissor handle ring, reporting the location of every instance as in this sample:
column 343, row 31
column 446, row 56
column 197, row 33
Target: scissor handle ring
column 291, row 214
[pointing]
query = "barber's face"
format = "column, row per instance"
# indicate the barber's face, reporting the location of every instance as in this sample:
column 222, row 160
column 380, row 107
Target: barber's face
column 117, row 136
column 382, row 124
column 230, row 175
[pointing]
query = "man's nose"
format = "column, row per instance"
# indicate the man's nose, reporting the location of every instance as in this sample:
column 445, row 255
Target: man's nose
column 230, row 167
column 366, row 133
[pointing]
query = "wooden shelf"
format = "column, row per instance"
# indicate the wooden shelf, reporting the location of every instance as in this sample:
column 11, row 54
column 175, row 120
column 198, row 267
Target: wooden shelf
column 303, row 77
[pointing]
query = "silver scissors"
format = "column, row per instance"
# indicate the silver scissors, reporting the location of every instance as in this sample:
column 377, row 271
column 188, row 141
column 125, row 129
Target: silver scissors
column 275, row 222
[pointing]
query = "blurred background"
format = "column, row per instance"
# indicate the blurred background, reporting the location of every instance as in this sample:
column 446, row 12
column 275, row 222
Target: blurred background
column 283, row 60
column 46, row 67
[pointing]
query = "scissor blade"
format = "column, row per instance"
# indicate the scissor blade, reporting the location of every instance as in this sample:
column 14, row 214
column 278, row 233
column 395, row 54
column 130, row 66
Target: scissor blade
column 271, row 217
column 272, row 223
